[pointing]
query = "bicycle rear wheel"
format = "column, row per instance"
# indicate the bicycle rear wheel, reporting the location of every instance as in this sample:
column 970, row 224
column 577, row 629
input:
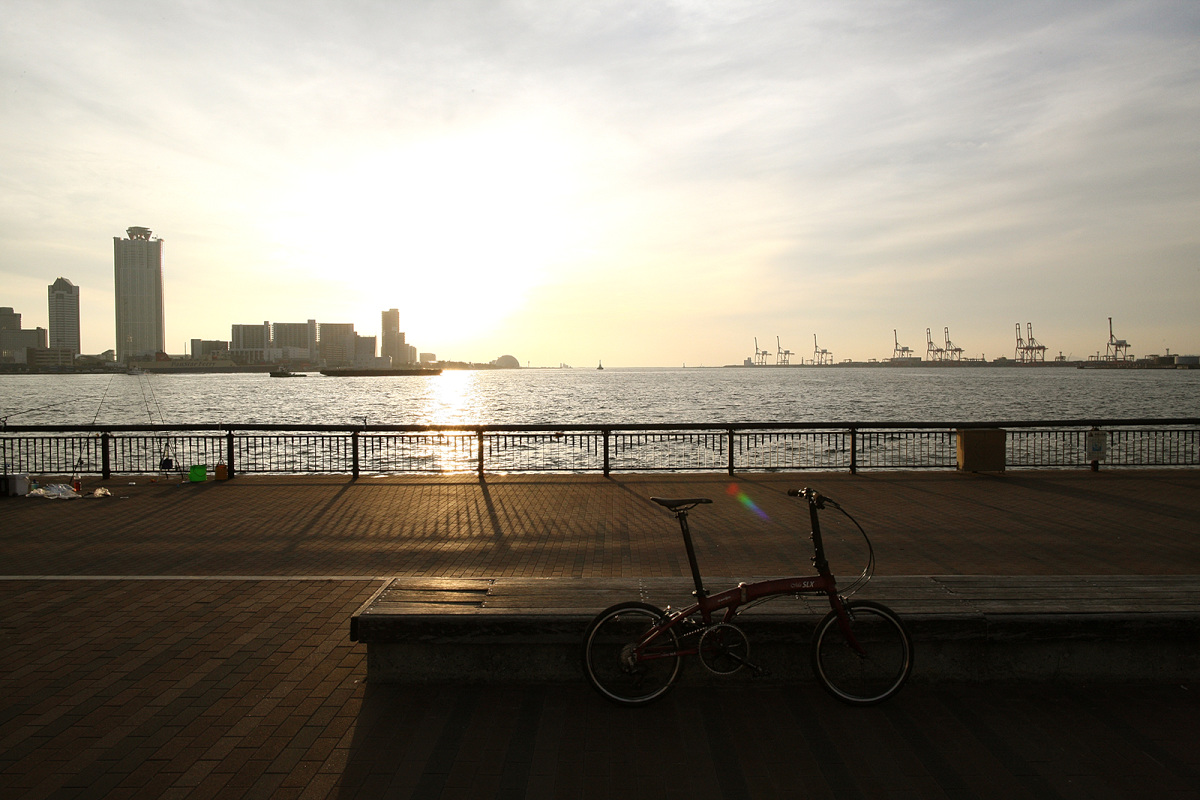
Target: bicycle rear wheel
column 875, row 673
column 612, row 662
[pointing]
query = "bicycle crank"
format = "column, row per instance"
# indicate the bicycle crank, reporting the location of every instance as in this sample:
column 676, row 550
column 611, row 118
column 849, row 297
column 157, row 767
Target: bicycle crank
column 724, row 649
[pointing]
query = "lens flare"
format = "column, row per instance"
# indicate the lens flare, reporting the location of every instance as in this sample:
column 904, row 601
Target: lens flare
column 745, row 500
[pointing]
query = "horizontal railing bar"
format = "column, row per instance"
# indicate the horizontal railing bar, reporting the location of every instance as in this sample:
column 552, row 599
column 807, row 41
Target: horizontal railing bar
column 648, row 426
column 637, row 447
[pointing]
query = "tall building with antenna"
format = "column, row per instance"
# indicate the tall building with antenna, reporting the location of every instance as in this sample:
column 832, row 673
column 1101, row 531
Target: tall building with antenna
column 64, row 315
column 137, row 274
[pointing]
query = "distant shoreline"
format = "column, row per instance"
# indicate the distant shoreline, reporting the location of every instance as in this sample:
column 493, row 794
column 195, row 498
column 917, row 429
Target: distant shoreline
column 264, row 369
column 195, row 369
column 911, row 364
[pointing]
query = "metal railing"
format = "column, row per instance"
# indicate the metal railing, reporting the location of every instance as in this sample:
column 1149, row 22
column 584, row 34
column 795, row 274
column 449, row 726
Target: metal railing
column 748, row 447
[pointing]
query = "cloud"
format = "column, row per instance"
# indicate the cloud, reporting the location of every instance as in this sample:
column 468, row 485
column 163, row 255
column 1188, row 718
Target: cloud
column 855, row 168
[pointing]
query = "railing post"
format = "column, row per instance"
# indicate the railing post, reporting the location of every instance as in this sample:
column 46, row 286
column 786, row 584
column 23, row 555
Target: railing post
column 730, row 446
column 229, row 453
column 853, row 451
column 105, row 459
column 354, row 454
column 1098, row 451
column 479, row 444
column 606, row 467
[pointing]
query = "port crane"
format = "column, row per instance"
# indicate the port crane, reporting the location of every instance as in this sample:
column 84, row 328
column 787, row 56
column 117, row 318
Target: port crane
column 820, row 355
column 952, row 353
column 1036, row 349
column 782, row 356
column 760, row 356
column 1118, row 349
column 933, row 352
column 898, row 351
column 1029, row 349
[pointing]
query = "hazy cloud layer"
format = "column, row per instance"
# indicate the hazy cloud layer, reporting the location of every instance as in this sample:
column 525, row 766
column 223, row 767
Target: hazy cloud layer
column 651, row 183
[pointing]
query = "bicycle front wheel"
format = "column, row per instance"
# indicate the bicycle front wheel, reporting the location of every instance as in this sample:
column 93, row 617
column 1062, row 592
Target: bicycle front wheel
column 617, row 667
column 875, row 669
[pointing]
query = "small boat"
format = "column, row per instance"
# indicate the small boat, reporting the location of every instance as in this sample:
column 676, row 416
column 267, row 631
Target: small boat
column 283, row 373
column 601, row 365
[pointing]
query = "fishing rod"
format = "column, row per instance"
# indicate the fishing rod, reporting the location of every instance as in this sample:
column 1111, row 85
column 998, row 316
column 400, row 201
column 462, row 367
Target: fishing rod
column 167, row 461
column 102, row 398
column 4, row 419
column 75, row 470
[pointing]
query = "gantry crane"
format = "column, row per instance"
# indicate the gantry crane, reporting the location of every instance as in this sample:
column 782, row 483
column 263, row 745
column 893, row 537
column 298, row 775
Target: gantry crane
column 1029, row 349
column 932, row 351
column 1037, row 351
column 760, row 356
column 898, row 351
column 951, row 352
column 782, row 356
column 1118, row 349
column 821, row 356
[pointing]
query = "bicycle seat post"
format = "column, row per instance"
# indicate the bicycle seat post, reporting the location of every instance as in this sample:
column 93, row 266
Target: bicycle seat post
column 682, row 515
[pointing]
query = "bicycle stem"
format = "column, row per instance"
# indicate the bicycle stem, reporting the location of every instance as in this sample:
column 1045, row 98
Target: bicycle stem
column 819, row 560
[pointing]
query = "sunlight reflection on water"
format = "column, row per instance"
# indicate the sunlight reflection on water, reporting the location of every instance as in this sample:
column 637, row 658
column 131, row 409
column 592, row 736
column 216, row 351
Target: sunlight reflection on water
column 614, row 396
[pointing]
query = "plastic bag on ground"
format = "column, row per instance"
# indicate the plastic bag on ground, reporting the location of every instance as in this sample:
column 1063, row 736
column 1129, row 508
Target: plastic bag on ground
column 55, row 491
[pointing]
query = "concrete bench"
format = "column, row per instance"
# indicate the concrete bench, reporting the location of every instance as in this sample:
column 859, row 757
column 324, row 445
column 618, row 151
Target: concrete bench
column 1048, row 628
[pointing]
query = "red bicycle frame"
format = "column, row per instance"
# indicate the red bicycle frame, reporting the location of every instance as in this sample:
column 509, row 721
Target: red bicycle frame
column 731, row 600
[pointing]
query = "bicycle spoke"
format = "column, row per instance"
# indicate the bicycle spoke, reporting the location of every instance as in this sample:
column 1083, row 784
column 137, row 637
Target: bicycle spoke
column 615, row 665
column 870, row 668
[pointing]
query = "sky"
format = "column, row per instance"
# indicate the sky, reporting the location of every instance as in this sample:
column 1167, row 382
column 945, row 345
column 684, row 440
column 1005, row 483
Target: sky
column 647, row 183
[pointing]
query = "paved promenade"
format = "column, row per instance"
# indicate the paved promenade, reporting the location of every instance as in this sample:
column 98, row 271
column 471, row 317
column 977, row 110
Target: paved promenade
column 192, row 640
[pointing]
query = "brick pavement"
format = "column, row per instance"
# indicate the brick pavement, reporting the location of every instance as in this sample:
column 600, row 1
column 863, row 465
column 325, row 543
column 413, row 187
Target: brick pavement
column 215, row 685
column 1020, row 523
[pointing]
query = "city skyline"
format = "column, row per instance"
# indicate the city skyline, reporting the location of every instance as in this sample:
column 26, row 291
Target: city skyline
column 138, row 260
column 130, row 260
column 647, row 184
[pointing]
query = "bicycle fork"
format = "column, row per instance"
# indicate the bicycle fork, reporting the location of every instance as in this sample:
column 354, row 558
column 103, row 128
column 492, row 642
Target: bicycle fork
column 843, row 618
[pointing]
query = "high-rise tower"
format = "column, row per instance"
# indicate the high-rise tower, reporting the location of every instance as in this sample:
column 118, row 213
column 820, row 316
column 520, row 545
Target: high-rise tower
column 64, row 315
column 141, row 332
column 393, row 338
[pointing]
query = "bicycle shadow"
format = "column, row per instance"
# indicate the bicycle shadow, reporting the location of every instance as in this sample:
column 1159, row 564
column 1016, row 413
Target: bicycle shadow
column 412, row 740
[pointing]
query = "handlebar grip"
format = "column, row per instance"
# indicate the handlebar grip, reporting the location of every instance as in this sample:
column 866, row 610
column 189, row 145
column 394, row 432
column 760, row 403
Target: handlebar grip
column 812, row 495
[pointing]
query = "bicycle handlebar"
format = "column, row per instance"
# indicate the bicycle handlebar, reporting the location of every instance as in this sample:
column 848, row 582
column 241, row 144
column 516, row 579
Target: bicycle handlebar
column 812, row 495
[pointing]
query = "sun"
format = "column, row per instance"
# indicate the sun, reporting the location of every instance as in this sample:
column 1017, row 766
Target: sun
column 454, row 230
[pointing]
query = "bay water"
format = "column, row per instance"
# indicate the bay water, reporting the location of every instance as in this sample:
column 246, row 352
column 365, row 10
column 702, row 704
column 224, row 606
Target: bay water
column 611, row 396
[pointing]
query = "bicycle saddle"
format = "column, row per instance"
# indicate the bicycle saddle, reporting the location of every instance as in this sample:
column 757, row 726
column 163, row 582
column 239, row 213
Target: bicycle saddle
column 675, row 505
